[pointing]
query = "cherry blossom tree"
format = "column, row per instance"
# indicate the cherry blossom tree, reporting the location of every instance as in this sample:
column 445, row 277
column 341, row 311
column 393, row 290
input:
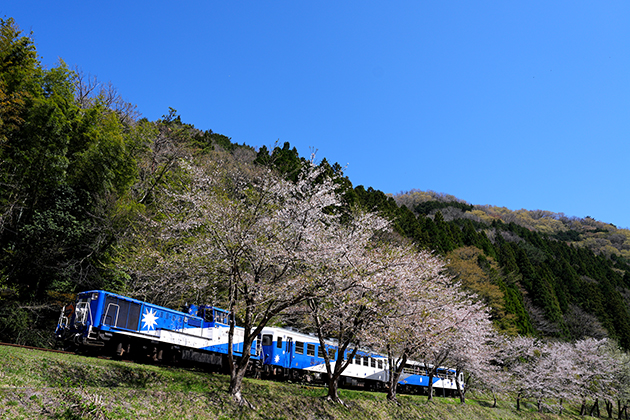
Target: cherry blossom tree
column 459, row 328
column 560, row 371
column 596, row 371
column 266, row 244
column 272, row 236
column 517, row 356
column 419, row 316
column 472, row 347
column 491, row 375
column 354, row 305
column 621, row 378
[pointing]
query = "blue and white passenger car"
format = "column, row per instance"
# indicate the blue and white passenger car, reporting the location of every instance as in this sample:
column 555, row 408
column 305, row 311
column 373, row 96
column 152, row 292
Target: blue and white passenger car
column 294, row 355
column 125, row 325
column 415, row 377
column 291, row 354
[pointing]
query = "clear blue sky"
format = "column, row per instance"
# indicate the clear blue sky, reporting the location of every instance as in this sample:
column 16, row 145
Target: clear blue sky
column 522, row 104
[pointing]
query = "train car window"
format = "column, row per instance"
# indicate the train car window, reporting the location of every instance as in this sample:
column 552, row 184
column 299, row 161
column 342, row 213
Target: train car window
column 134, row 316
column 221, row 316
column 366, row 361
column 267, row 340
column 111, row 314
column 194, row 322
column 207, row 313
column 121, row 313
column 372, row 362
column 320, row 352
column 279, row 344
column 299, row 347
column 357, row 360
column 310, row 349
column 332, row 353
column 121, row 322
column 380, row 364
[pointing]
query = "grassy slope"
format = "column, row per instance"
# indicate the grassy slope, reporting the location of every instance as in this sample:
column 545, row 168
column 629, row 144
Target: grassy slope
column 42, row 385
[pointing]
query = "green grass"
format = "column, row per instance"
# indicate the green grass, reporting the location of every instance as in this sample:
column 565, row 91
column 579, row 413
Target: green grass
column 40, row 385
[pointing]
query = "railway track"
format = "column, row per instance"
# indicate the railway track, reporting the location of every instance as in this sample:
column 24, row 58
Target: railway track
column 59, row 351
column 36, row 348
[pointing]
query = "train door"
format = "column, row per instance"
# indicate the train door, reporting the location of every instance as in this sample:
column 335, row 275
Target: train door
column 287, row 352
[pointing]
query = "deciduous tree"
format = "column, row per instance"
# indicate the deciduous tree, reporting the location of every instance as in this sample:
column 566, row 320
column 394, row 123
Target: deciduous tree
column 265, row 243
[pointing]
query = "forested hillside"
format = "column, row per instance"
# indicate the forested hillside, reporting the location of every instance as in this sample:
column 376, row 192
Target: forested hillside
column 549, row 273
column 83, row 179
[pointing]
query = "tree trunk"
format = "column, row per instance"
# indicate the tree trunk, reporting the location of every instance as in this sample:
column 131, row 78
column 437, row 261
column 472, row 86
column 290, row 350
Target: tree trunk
column 395, row 370
column 623, row 410
column 238, row 366
column 458, row 385
column 341, row 363
column 595, row 408
column 236, row 384
column 333, row 386
column 518, row 402
column 430, row 389
column 609, row 408
column 583, row 407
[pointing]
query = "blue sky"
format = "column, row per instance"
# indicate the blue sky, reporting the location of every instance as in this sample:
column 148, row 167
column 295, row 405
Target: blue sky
column 522, row 104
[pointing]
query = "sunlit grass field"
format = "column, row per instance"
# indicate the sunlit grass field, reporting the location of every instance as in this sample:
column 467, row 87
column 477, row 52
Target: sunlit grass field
column 43, row 385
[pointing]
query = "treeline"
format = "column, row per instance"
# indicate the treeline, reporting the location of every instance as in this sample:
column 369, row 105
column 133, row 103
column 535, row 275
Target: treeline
column 77, row 171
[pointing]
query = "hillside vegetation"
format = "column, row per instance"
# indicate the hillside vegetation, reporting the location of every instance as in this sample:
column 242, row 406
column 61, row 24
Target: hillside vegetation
column 37, row 385
column 543, row 273
column 94, row 197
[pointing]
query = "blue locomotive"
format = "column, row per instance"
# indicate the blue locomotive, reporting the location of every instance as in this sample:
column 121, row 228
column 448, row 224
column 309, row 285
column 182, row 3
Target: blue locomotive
column 122, row 325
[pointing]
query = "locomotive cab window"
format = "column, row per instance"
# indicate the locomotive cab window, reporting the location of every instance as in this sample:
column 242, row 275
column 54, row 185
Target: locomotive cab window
column 207, row 315
column 267, row 340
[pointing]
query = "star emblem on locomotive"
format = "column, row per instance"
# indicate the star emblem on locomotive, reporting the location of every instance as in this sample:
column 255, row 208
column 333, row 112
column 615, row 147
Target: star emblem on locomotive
column 149, row 319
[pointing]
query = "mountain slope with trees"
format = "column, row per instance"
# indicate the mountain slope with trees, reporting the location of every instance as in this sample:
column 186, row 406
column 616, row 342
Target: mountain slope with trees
column 93, row 197
column 558, row 276
column 78, row 168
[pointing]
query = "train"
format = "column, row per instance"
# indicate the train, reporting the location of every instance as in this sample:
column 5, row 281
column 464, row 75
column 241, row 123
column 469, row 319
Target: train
column 107, row 323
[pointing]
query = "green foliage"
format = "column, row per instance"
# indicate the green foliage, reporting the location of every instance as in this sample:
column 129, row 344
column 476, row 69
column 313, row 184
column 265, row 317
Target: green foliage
column 27, row 324
column 534, row 265
column 63, row 170
column 76, row 179
column 482, row 276
column 429, row 206
column 285, row 160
